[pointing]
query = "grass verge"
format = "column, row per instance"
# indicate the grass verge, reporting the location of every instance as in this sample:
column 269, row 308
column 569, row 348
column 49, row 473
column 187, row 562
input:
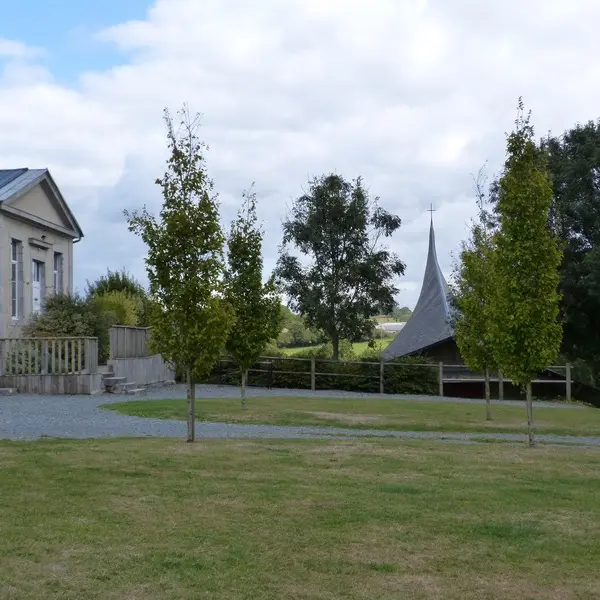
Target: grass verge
column 399, row 415
column 160, row 519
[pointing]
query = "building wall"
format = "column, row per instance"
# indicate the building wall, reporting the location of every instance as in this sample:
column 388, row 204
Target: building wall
column 14, row 229
column 446, row 352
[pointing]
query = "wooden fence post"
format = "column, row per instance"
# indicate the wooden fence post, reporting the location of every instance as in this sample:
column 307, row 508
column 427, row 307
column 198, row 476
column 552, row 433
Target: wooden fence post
column 313, row 374
column 568, row 378
column 441, row 379
column 381, row 368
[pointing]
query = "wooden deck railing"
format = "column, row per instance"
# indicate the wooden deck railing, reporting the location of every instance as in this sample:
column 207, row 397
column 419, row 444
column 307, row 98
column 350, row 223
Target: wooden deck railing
column 49, row 356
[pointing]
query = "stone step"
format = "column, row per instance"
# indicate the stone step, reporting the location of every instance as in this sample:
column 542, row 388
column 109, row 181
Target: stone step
column 8, row 391
column 135, row 391
column 112, row 381
column 126, row 386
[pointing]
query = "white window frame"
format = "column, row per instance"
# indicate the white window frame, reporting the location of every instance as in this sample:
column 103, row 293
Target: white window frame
column 57, row 271
column 15, row 251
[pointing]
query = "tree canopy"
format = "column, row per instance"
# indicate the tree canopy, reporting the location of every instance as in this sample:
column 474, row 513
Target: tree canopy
column 346, row 276
column 574, row 165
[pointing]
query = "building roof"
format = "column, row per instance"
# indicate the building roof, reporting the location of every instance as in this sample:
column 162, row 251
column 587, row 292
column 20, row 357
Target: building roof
column 15, row 182
column 429, row 323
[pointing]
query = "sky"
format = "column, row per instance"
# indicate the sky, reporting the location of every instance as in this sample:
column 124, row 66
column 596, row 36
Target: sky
column 413, row 95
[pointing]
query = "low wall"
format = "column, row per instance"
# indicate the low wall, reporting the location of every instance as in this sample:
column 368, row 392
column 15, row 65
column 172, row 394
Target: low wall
column 148, row 370
column 53, row 384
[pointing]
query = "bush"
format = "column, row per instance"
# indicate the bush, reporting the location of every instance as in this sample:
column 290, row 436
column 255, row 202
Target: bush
column 66, row 315
column 123, row 307
column 401, row 376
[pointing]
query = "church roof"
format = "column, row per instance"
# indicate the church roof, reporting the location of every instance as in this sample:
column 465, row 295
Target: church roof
column 429, row 323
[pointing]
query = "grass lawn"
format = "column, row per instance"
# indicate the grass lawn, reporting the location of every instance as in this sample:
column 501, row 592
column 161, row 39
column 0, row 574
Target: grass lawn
column 160, row 519
column 403, row 415
column 359, row 347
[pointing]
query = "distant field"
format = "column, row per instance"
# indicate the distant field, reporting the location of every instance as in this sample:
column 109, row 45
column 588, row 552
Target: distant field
column 359, row 347
column 157, row 519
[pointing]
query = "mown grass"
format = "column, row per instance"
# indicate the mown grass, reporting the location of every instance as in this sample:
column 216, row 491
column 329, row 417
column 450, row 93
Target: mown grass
column 399, row 415
column 161, row 519
column 358, row 347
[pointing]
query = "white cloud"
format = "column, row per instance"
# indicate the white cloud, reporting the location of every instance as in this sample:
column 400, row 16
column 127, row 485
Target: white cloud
column 413, row 95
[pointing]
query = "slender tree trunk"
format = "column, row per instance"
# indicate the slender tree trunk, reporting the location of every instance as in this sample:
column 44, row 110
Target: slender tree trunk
column 191, row 398
column 488, row 401
column 335, row 342
column 243, row 388
column 529, row 401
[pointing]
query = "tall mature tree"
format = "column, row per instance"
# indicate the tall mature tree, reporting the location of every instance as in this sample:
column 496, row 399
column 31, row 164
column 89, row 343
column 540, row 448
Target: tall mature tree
column 256, row 304
column 190, row 318
column 349, row 277
column 574, row 164
column 472, row 289
column 524, row 330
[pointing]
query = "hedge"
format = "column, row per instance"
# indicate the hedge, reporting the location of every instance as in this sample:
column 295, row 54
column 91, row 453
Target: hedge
column 407, row 375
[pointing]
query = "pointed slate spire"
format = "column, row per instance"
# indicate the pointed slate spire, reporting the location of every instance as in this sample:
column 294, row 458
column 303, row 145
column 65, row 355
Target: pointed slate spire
column 429, row 323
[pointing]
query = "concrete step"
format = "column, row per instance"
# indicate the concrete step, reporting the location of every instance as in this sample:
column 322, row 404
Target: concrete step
column 125, row 386
column 105, row 370
column 112, row 381
column 135, row 391
column 8, row 391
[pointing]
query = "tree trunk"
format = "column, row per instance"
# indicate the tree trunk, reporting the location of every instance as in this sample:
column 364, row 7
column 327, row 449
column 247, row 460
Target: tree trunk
column 191, row 398
column 243, row 388
column 488, row 402
column 335, row 342
column 529, row 402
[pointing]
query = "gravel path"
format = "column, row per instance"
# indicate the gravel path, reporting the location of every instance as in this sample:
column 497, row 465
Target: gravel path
column 31, row 417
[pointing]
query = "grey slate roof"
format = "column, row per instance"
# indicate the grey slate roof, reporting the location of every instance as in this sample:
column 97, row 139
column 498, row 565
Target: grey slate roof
column 12, row 181
column 429, row 323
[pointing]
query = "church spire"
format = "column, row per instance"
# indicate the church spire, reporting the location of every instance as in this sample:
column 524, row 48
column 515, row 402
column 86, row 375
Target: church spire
column 429, row 323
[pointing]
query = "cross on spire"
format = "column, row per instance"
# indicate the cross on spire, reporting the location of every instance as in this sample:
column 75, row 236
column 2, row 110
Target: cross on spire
column 431, row 210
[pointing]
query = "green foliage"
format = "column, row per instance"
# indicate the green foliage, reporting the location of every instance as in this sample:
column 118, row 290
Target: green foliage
column 472, row 289
column 257, row 306
column 348, row 280
column 115, row 281
column 574, row 165
column 120, row 304
column 65, row 315
column 401, row 314
column 524, row 331
column 189, row 315
column 294, row 331
column 124, row 283
column 405, row 375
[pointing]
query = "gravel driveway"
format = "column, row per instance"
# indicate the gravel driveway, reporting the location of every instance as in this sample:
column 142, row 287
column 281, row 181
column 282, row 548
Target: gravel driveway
column 25, row 417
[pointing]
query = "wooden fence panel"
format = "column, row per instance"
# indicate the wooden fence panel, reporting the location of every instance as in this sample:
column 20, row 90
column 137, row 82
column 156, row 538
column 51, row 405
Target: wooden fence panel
column 129, row 342
column 48, row 356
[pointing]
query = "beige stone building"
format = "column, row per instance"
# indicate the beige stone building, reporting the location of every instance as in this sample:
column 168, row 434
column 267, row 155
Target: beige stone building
column 37, row 233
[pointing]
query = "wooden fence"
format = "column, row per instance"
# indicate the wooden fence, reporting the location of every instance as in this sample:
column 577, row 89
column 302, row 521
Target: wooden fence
column 129, row 342
column 50, row 365
column 48, row 356
column 382, row 377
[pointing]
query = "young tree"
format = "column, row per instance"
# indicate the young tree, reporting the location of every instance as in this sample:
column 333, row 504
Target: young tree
column 190, row 318
column 349, row 278
column 257, row 305
column 472, row 289
column 524, row 331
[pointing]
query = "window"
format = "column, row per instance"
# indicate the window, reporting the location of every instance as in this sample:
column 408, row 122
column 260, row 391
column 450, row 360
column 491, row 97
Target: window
column 16, row 278
column 58, row 273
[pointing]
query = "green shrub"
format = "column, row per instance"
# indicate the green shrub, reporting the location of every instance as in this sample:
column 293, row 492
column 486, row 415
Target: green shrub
column 66, row 315
column 401, row 376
